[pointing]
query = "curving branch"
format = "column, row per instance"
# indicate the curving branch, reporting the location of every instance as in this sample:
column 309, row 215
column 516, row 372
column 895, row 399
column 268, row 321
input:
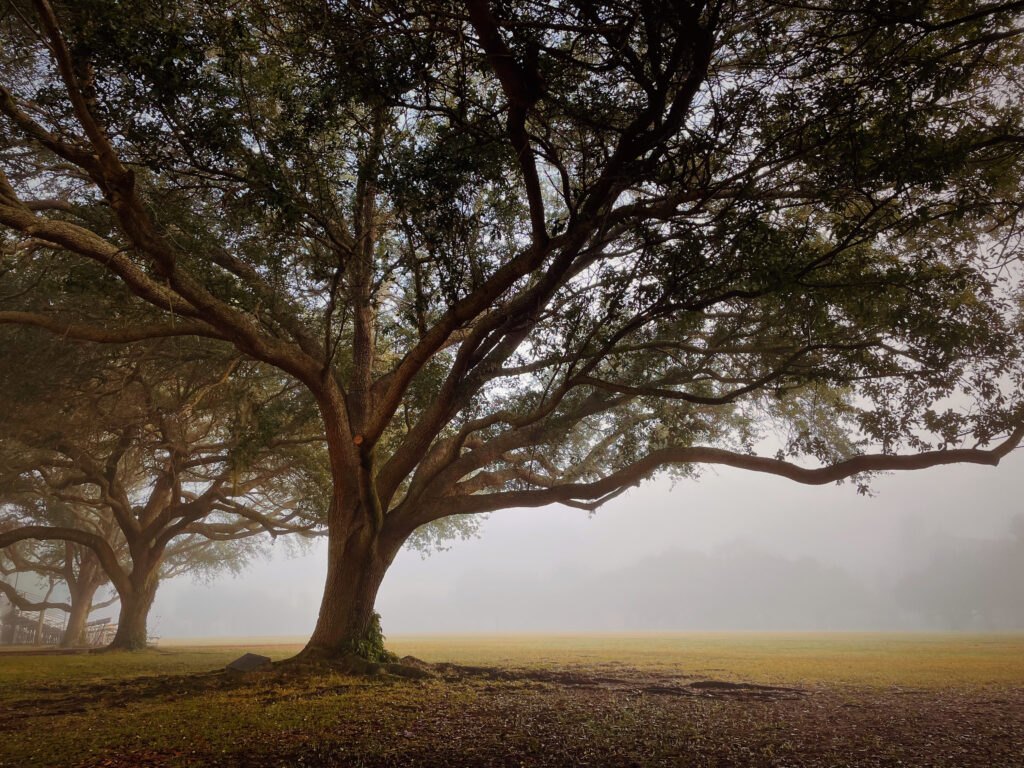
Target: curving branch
column 605, row 488
column 49, row 205
column 103, row 550
column 84, row 242
column 183, row 295
column 105, row 603
column 523, row 89
column 24, row 604
column 108, row 335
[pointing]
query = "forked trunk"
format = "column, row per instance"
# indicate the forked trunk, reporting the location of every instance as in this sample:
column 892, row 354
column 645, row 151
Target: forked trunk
column 81, row 604
column 356, row 565
column 359, row 550
column 135, row 604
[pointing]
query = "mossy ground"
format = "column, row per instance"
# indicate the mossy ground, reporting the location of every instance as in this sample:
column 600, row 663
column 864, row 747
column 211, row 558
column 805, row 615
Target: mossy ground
column 855, row 700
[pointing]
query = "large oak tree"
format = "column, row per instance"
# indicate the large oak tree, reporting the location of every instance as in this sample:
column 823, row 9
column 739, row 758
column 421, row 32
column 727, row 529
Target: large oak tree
column 157, row 459
column 533, row 253
column 75, row 567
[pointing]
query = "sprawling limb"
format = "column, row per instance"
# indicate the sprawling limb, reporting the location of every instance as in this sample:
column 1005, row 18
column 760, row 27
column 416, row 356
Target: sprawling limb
column 599, row 491
column 105, row 335
column 96, row 543
column 24, row 604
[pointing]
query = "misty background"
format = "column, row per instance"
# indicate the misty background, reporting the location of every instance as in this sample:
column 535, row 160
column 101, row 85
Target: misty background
column 935, row 549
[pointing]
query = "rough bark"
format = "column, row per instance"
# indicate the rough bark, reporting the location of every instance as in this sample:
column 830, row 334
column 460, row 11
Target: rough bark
column 356, row 565
column 135, row 604
column 82, row 585
column 81, row 604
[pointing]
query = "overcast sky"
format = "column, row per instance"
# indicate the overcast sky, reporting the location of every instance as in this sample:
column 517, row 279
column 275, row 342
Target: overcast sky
column 733, row 550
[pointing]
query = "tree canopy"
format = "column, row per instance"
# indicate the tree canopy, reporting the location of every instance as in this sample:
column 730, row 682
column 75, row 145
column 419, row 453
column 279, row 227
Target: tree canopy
column 156, row 460
column 526, row 253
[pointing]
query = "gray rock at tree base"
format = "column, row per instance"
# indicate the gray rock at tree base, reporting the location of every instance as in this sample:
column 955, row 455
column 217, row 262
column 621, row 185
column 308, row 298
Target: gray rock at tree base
column 248, row 663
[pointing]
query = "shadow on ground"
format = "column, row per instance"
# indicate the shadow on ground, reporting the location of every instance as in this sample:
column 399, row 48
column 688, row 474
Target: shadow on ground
column 302, row 715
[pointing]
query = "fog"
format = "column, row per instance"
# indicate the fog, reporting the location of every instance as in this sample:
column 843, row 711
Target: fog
column 935, row 549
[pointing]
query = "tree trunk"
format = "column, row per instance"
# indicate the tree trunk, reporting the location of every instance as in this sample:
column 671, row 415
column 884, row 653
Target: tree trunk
column 42, row 615
column 356, row 565
column 39, row 628
column 359, row 550
column 135, row 604
column 81, row 604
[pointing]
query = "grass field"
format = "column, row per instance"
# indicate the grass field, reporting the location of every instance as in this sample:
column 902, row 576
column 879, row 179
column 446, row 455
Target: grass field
column 918, row 660
column 687, row 699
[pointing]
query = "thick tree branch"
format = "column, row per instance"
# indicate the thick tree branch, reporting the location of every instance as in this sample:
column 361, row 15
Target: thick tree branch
column 24, row 604
column 522, row 87
column 107, row 334
column 643, row 468
column 103, row 550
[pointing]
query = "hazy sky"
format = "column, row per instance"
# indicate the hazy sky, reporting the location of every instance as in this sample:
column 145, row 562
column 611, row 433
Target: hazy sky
column 733, row 550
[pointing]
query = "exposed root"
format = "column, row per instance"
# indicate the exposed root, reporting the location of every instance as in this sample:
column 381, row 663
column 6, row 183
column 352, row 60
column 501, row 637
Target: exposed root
column 312, row 662
column 624, row 679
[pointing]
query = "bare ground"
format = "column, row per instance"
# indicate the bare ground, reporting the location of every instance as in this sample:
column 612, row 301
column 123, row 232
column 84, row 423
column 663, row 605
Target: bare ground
column 607, row 715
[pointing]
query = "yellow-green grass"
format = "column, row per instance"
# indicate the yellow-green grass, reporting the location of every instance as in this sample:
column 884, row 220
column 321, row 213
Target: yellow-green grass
column 19, row 667
column 63, row 709
column 871, row 659
column 121, row 703
column 925, row 660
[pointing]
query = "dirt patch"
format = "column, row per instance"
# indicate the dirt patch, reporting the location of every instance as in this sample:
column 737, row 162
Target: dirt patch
column 622, row 679
column 490, row 717
column 53, row 700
